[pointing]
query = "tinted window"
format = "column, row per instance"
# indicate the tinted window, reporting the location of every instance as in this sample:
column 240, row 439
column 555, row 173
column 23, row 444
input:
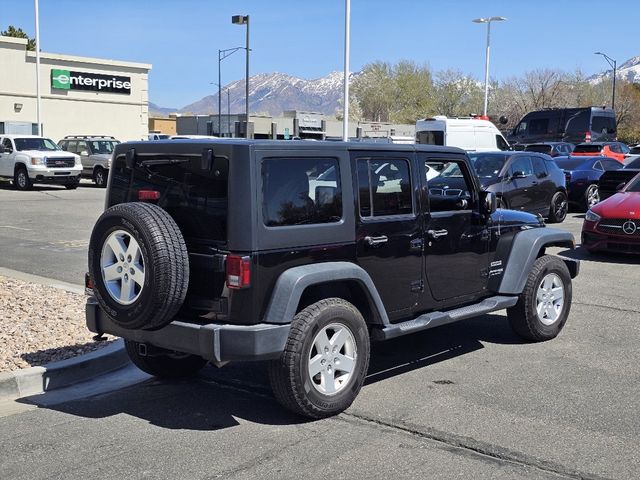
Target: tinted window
column 522, row 165
column 611, row 164
column 569, row 163
column 540, row 148
column 487, row 165
column 103, row 146
column 449, row 192
column 430, row 137
column 501, row 143
column 603, row 124
column 579, row 122
column 598, row 166
column 385, row 187
column 539, row 169
column 624, row 148
column 6, row 143
column 538, row 126
column 521, row 129
column 587, row 148
column 634, row 164
column 293, row 194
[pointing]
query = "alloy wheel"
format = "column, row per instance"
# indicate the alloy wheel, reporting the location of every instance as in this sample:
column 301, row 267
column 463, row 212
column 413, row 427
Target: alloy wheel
column 332, row 359
column 123, row 267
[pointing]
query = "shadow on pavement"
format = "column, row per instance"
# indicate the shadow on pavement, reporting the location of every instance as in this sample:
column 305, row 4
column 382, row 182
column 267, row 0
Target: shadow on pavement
column 581, row 253
column 216, row 397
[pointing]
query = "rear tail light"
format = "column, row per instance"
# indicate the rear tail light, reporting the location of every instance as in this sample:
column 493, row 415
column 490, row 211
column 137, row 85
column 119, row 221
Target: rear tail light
column 238, row 272
column 88, row 284
column 587, row 136
column 148, row 195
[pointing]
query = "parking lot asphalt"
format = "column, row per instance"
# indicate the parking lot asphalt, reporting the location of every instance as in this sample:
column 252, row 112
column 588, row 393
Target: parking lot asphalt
column 46, row 231
column 466, row 400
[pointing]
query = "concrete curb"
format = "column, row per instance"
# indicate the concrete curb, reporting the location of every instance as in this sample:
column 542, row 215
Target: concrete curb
column 36, row 380
column 51, row 282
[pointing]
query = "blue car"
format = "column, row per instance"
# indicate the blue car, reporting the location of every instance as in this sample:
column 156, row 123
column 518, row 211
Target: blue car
column 582, row 175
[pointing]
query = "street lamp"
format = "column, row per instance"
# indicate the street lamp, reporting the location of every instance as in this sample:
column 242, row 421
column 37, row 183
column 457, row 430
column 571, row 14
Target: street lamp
column 613, row 64
column 222, row 54
column 219, row 108
column 486, row 67
column 244, row 20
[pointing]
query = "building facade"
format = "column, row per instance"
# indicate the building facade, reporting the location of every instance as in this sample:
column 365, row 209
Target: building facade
column 79, row 95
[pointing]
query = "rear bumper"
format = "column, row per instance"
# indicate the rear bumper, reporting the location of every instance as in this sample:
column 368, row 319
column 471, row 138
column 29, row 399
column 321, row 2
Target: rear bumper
column 213, row 341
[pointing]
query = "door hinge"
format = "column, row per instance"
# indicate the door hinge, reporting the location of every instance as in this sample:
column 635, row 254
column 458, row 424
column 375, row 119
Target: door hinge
column 417, row 286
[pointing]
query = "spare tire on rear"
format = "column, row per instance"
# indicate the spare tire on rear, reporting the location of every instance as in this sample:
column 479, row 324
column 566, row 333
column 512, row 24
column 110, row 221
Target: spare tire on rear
column 139, row 265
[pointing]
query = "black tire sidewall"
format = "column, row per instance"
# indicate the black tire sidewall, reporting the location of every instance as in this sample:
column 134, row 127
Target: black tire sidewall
column 550, row 331
column 100, row 171
column 127, row 316
column 552, row 214
column 341, row 400
column 27, row 184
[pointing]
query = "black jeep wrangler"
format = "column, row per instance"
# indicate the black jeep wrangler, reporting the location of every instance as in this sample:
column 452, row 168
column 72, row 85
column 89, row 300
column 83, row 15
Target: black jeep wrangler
column 302, row 253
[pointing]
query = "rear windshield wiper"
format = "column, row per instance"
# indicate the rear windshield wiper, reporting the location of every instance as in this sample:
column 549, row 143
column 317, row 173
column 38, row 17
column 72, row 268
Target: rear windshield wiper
column 164, row 161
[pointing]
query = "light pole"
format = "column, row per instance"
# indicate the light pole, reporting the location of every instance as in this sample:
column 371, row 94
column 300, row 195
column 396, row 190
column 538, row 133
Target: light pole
column 222, row 54
column 345, row 118
column 244, row 20
column 38, row 96
column 486, row 67
column 613, row 64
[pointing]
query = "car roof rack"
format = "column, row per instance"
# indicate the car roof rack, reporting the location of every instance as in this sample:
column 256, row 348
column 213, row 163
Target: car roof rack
column 88, row 136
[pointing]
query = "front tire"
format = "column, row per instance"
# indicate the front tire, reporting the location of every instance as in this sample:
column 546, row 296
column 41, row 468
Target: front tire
column 591, row 196
column 544, row 304
column 100, row 177
column 21, row 180
column 559, row 207
column 325, row 360
column 169, row 365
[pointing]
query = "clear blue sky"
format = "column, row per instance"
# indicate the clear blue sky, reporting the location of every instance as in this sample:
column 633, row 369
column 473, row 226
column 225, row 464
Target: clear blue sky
column 181, row 38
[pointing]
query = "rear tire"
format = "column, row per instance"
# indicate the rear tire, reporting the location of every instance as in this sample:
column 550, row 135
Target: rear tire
column 21, row 180
column 139, row 265
column 72, row 186
column 169, row 365
column 558, row 208
column 544, row 304
column 325, row 360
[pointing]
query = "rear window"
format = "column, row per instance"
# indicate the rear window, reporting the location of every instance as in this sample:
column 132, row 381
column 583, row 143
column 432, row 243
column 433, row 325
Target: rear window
column 430, row 137
column 539, row 148
column 603, row 124
column 569, row 163
column 196, row 198
column 300, row 191
column 587, row 148
column 578, row 123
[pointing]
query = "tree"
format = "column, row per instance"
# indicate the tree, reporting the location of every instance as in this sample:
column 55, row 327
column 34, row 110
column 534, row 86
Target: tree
column 14, row 32
column 413, row 92
column 457, row 94
column 374, row 91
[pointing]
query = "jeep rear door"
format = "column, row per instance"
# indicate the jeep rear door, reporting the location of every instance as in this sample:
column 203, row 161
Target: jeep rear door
column 388, row 228
column 455, row 234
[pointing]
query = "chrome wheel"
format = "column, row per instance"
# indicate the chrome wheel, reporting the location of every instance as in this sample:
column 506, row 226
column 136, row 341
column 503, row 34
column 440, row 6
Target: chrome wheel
column 332, row 359
column 123, row 267
column 593, row 196
column 550, row 299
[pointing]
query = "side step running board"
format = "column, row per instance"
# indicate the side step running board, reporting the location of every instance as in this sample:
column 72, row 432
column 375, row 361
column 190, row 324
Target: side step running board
column 435, row 319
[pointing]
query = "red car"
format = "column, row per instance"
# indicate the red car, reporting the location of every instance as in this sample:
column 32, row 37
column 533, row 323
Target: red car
column 614, row 224
column 617, row 150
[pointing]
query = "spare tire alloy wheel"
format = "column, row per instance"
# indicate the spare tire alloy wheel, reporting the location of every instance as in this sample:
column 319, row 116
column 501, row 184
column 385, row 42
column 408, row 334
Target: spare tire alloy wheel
column 122, row 267
column 139, row 265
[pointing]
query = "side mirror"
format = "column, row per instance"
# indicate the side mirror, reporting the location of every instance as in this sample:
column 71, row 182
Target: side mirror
column 488, row 202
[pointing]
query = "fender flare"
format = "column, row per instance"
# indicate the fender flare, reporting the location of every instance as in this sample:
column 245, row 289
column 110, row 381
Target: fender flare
column 525, row 249
column 292, row 283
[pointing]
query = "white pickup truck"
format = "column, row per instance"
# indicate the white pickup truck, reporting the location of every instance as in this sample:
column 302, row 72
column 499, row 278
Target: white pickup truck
column 29, row 159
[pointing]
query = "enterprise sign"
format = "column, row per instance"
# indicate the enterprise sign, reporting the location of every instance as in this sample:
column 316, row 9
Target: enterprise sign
column 95, row 82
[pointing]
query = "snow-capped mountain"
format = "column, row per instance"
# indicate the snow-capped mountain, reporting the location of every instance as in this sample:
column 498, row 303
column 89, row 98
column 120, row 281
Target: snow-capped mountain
column 629, row 71
column 273, row 93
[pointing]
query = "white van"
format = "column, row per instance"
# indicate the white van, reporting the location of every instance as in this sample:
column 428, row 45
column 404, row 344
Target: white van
column 471, row 134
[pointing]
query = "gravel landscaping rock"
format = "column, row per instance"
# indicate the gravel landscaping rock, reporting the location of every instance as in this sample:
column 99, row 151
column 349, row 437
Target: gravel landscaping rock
column 41, row 324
